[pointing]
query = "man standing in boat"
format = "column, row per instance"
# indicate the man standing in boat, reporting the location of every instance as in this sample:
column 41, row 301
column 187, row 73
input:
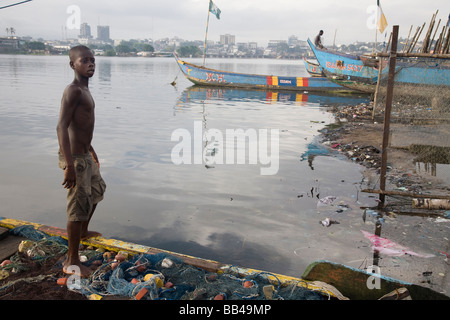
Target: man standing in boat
column 318, row 40
column 77, row 157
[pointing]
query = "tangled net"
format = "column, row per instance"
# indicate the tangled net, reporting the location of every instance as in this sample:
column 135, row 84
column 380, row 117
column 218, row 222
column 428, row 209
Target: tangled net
column 158, row 276
column 40, row 248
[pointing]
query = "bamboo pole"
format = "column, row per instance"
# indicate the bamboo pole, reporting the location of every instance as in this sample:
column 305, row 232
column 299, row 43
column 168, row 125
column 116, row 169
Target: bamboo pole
column 380, row 61
column 406, row 194
column 446, row 43
column 407, row 41
column 416, row 55
column 428, row 35
column 417, row 39
column 389, row 43
column 387, row 112
column 437, row 47
column 412, row 40
column 431, row 42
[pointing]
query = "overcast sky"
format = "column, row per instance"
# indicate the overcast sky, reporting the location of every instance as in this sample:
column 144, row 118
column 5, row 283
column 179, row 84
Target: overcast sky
column 248, row 20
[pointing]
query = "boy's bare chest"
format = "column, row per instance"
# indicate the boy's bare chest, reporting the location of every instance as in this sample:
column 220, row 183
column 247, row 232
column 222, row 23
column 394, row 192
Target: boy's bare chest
column 85, row 109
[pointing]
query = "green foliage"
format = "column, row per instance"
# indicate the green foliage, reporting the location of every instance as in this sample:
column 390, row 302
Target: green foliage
column 36, row 45
column 189, row 51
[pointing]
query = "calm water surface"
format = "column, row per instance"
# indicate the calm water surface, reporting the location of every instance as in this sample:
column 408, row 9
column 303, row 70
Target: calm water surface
column 230, row 213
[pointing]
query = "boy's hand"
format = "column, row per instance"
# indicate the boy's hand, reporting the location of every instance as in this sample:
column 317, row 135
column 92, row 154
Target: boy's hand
column 70, row 179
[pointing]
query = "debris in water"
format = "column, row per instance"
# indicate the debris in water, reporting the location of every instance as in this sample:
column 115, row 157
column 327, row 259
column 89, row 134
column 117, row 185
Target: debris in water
column 327, row 222
column 385, row 246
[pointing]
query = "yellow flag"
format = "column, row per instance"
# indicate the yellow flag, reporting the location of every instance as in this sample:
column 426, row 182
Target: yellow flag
column 382, row 22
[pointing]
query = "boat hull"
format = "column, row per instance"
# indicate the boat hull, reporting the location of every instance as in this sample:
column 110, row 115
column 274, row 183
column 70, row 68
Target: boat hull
column 205, row 264
column 336, row 280
column 313, row 68
column 217, row 78
column 416, row 76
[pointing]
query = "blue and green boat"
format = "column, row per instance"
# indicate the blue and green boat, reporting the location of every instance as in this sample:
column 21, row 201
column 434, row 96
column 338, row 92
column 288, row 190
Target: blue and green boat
column 203, row 76
column 414, row 73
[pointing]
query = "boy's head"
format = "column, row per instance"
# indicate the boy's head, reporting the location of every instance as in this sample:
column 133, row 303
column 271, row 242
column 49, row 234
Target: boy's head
column 82, row 60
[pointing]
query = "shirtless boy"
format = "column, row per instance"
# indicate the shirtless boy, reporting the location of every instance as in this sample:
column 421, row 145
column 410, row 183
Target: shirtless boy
column 77, row 157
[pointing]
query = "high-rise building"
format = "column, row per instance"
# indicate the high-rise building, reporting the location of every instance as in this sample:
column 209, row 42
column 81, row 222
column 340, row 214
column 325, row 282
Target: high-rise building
column 85, row 31
column 103, row 33
column 227, row 39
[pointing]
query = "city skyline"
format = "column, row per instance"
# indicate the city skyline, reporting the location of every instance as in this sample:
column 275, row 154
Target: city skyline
column 248, row 20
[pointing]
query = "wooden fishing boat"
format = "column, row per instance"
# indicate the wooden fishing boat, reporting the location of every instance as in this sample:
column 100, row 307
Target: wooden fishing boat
column 210, row 77
column 313, row 68
column 420, row 74
column 335, row 280
column 346, row 69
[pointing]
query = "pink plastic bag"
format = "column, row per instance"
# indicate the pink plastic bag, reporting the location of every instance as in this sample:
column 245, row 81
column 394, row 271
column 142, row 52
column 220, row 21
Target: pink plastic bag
column 385, row 246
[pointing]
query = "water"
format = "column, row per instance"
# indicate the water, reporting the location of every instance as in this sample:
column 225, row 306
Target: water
column 230, row 213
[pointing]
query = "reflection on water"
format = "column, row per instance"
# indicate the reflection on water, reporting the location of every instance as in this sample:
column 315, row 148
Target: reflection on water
column 433, row 160
column 199, row 93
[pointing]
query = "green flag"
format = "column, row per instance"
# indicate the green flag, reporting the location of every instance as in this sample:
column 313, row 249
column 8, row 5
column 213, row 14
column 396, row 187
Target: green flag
column 214, row 9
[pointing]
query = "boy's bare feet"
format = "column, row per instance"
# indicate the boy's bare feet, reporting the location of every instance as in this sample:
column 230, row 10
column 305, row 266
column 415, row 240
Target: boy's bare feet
column 76, row 269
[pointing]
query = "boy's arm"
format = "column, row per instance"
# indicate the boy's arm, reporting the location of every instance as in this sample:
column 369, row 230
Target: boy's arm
column 69, row 102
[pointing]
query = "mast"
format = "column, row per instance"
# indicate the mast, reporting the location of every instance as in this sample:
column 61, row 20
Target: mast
column 206, row 34
column 376, row 27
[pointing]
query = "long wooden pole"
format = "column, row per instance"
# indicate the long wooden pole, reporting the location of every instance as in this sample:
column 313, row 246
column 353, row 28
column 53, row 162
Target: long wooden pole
column 407, row 41
column 406, row 194
column 415, row 42
column 380, row 66
column 387, row 112
column 206, row 34
column 431, row 42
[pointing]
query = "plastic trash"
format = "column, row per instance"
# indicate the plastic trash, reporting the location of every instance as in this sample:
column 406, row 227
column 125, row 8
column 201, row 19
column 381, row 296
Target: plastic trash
column 387, row 247
column 326, row 201
column 327, row 222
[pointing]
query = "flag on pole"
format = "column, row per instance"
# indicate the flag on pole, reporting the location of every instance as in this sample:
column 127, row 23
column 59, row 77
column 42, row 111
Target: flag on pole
column 214, row 9
column 382, row 22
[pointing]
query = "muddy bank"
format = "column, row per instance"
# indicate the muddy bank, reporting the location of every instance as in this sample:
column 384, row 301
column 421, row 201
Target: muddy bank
column 359, row 138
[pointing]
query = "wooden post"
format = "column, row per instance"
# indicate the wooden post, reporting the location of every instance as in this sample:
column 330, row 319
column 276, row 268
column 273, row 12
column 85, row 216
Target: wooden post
column 380, row 65
column 387, row 112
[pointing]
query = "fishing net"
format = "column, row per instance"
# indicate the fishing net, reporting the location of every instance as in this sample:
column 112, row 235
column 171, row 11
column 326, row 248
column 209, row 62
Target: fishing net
column 38, row 249
column 190, row 283
column 159, row 276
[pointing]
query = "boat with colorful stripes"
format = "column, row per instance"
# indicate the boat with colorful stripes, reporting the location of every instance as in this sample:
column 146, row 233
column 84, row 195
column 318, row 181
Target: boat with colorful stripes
column 200, row 75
